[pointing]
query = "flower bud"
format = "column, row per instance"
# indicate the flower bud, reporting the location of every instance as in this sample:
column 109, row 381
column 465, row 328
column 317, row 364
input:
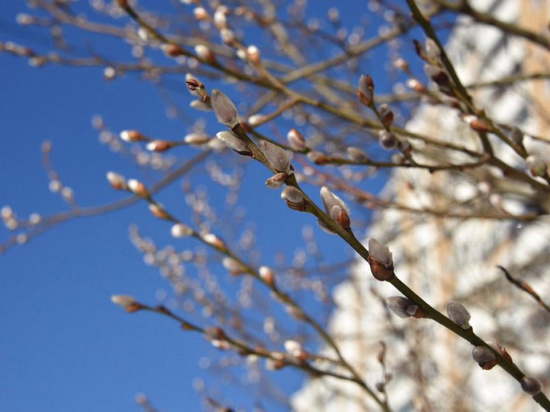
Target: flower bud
column 356, row 154
column 241, row 54
column 330, row 200
column 405, row 146
column 484, row 357
column 437, row 74
column 224, row 108
column 274, row 365
column 432, row 49
column 296, row 140
column 387, row 139
column 342, row 217
column 530, row 385
column 67, row 194
column 386, row 114
column 215, row 241
column 204, row 53
column 278, row 158
column 7, row 213
column 232, row 265
column 276, row 181
column 128, row 303
column 401, row 64
column 138, row 188
column 255, row 120
column 267, row 276
column 131, row 136
column 233, row 142
column 333, row 15
column 380, row 261
column 296, row 350
column 293, row 347
column 24, row 19
column 193, row 84
column 35, row 219
column 116, row 181
column 459, row 315
column 196, row 139
column 415, row 85
column 336, row 208
column 213, row 333
column 403, row 307
column 537, row 166
column 294, row 198
column 172, row 50
column 180, row 230
column 200, row 105
column 365, row 90
column 200, row 13
column 158, row 210
column 317, row 157
column 253, row 54
column 158, row 146
column 227, row 36
column 123, row 4
column 220, row 20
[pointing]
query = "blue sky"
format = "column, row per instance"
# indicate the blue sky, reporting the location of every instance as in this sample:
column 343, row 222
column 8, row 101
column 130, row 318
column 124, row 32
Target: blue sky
column 63, row 345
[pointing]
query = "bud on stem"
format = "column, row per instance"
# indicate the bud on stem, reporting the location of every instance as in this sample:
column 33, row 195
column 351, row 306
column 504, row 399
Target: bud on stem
column 484, row 357
column 380, row 261
column 224, row 108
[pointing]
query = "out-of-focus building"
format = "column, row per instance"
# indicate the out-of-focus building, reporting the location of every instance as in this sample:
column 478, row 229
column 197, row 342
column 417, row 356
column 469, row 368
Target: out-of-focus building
column 445, row 257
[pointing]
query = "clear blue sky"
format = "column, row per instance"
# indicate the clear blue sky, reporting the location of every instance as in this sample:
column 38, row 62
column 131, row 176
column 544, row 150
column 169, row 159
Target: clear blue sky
column 63, row 345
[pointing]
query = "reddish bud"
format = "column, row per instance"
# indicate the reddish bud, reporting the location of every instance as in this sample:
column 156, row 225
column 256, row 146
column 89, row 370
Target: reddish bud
column 415, row 85
column 172, row 50
column 123, row 4
column 380, row 261
column 215, row 241
column 437, row 74
column 276, row 181
column 365, row 90
column 117, row 181
column 386, row 115
column 267, row 276
column 480, row 126
column 137, row 188
column 158, row 145
column 158, row 211
column 131, row 136
column 128, row 303
column 204, row 53
column 343, row 219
